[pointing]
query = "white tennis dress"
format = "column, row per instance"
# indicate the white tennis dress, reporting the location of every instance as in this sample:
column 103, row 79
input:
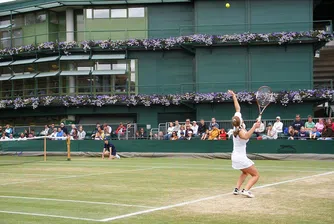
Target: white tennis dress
column 239, row 156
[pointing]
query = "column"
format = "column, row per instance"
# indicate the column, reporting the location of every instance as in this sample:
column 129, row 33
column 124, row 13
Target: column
column 70, row 37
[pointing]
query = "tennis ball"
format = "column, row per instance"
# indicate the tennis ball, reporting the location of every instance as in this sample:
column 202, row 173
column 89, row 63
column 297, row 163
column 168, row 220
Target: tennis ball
column 227, row 5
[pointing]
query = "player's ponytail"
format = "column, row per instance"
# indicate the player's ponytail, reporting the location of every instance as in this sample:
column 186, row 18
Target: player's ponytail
column 236, row 124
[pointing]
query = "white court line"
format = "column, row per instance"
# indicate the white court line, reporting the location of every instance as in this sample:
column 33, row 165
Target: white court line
column 207, row 198
column 76, row 176
column 46, row 215
column 74, row 201
column 33, row 174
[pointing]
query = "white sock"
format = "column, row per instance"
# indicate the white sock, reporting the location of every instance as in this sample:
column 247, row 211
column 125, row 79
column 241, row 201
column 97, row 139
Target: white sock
column 117, row 156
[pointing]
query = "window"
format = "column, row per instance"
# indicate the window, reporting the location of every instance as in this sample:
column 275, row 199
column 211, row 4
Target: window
column 17, row 37
column 29, row 19
column 89, row 13
column 102, row 66
column 119, row 67
column 6, row 88
column 120, row 83
column 5, row 39
column 101, row 13
column 133, row 76
column 83, row 84
column 40, row 17
column 102, row 83
column 118, row 13
column 54, row 18
column 4, row 21
column 136, row 12
column 18, row 21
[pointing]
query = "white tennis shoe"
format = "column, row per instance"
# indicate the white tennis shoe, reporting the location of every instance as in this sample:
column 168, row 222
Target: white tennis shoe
column 247, row 194
column 236, row 191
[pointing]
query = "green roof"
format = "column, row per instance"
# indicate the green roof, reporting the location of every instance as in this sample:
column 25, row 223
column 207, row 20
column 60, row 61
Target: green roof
column 54, row 58
column 26, row 76
column 74, row 73
column 46, row 74
column 109, row 72
column 22, row 62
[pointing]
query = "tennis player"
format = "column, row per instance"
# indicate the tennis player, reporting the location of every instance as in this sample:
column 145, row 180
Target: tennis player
column 239, row 156
column 108, row 146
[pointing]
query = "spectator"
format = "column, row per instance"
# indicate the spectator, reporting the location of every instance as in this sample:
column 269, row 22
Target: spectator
column 177, row 126
column 142, row 134
column 315, row 133
column 160, row 136
column 4, row 137
column 188, row 129
column 54, row 133
column 31, row 134
column 303, row 133
column 11, row 137
column 213, row 124
column 107, row 130
column 120, row 131
column 26, row 133
column 169, row 131
column 214, row 133
column 205, row 135
column 137, row 134
column 45, row 132
column 8, row 130
column 327, row 133
column 63, row 128
column 330, row 124
column 202, row 128
column 291, row 133
column 195, row 128
column 182, row 129
column 81, row 133
column 60, row 134
column 189, row 135
column 309, row 125
column 271, row 133
column 99, row 134
column 223, row 134
column 95, row 130
column 1, row 131
column 320, row 125
column 72, row 129
column 188, row 123
column 182, row 137
column 22, row 137
column 51, row 127
column 174, row 136
column 278, row 125
column 259, row 131
column 74, row 134
column 297, row 124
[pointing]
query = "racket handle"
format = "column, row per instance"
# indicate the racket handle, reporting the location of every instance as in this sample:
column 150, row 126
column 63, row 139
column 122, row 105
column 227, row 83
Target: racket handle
column 259, row 118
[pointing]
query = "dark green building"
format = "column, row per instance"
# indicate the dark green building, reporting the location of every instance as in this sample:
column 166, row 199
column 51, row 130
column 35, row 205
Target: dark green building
column 128, row 47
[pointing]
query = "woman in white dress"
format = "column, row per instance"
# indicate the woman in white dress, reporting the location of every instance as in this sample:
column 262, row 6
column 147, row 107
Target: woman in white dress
column 239, row 155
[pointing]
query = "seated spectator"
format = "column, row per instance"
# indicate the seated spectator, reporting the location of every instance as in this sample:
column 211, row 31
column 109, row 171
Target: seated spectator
column 205, row 136
column 330, row 123
column 159, row 136
column 297, row 124
column 4, row 137
column 214, row 133
column 142, row 134
column 120, row 131
column 309, row 125
column 51, row 127
column 174, row 136
column 81, row 133
column 137, row 134
column 195, row 128
column 169, row 131
column 291, row 133
column 54, row 133
column 202, row 128
column 11, row 137
column 1, row 130
column 26, row 133
column 95, row 130
column 8, row 130
column 32, row 134
column 107, row 130
column 223, row 134
column 271, row 133
column 189, row 135
column 177, row 126
column 99, row 134
column 182, row 129
column 327, row 133
column 63, row 128
column 182, row 137
column 303, row 133
column 45, row 132
column 320, row 125
column 188, row 123
column 60, row 134
column 72, row 129
column 278, row 125
column 315, row 133
column 213, row 124
column 188, row 128
column 74, row 134
column 259, row 131
column 22, row 137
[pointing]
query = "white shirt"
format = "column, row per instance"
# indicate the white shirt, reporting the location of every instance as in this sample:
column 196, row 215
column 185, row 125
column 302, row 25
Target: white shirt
column 170, row 130
column 261, row 128
column 278, row 126
column 272, row 133
column 3, row 138
column 195, row 129
column 239, row 144
column 81, row 135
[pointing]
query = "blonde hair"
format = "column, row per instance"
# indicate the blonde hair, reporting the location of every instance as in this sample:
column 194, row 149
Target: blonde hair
column 236, row 122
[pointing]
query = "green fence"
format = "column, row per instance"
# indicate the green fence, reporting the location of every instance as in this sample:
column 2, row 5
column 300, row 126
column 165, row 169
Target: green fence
column 194, row 146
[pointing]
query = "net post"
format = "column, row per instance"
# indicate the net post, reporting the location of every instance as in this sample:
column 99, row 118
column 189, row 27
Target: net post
column 68, row 143
column 45, row 149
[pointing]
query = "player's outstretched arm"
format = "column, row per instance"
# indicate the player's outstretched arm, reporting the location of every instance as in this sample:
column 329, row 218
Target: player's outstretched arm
column 248, row 134
column 235, row 101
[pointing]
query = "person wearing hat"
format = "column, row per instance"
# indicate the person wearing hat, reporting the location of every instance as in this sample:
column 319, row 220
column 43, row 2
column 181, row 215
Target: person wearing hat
column 278, row 125
column 108, row 146
column 271, row 132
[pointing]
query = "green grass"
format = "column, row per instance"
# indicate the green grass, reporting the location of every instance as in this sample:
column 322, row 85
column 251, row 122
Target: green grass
column 102, row 189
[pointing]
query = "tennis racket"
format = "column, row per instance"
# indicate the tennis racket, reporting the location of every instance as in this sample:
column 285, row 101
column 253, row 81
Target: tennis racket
column 264, row 96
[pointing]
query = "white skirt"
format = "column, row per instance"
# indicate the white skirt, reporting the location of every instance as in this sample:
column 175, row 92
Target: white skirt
column 241, row 162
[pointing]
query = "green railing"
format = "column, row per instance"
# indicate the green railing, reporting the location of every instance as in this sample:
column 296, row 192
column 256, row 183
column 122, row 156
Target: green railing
column 182, row 30
column 13, row 91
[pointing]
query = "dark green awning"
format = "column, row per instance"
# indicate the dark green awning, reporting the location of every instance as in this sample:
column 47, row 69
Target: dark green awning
column 47, row 74
column 75, row 73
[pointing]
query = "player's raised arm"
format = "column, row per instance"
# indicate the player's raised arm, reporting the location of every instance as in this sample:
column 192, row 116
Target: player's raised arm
column 235, row 101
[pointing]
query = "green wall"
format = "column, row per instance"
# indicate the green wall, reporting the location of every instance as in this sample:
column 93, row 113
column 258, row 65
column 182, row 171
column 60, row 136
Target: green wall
column 241, row 12
column 175, row 17
column 194, row 146
column 163, row 71
column 39, row 29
